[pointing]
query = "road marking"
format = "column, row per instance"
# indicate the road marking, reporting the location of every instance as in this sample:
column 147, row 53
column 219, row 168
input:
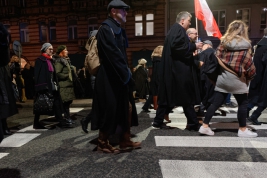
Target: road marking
column 3, row 155
column 211, row 141
column 211, row 169
column 18, row 139
column 30, row 128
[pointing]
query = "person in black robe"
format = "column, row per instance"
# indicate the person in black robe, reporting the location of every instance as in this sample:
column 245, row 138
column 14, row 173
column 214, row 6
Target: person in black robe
column 178, row 79
column 258, row 84
column 112, row 108
column 7, row 100
column 206, row 85
column 141, row 79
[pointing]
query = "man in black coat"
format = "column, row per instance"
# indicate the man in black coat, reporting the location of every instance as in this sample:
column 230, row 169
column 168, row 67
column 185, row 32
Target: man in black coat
column 178, row 82
column 257, row 85
column 7, row 100
column 111, row 109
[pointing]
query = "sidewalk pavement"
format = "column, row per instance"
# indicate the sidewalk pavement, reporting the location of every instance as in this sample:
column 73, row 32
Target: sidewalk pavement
column 75, row 104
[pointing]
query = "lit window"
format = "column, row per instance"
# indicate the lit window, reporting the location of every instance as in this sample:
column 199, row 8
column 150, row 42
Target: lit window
column 220, row 17
column 244, row 15
column 72, row 29
column 138, row 25
column 92, row 25
column 150, row 24
column 24, row 33
column 43, row 31
column 52, row 31
column 264, row 18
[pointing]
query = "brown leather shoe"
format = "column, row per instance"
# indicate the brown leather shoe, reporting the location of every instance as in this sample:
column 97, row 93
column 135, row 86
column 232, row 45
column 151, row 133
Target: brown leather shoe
column 105, row 147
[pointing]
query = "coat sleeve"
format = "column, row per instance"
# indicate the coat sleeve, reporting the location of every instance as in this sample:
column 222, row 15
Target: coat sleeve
column 60, row 74
column 111, row 56
column 180, row 44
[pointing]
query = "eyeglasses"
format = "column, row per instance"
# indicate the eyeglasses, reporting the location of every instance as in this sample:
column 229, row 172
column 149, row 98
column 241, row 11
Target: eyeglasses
column 50, row 49
column 194, row 33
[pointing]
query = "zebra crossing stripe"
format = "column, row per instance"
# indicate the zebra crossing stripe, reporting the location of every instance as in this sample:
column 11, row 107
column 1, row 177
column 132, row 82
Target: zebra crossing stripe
column 211, row 169
column 3, row 155
column 18, row 139
column 210, row 141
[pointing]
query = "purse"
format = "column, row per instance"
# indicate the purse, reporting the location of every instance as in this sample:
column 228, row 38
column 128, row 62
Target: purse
column 43, row 104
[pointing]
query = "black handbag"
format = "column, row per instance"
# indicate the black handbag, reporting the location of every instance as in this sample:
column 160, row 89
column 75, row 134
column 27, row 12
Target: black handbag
column 43, row 104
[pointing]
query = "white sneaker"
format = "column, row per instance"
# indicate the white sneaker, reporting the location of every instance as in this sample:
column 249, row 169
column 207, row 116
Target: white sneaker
column 247, row 133
column 206, row 131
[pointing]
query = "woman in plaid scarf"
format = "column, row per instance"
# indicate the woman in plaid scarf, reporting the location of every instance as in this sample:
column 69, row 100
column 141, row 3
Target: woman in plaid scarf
column 236, row 71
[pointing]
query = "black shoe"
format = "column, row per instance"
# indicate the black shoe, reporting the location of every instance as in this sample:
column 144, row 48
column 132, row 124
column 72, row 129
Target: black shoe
column 39, row 126
column 7, row 132
column 254, row 121
column 84, row 124
column 160, row 126
column 230, row 105
column 69, row 120
column 193, row 127
column 64, row 124
column 145, row 110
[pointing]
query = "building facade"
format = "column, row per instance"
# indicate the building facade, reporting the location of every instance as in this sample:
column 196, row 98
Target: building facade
column 69, row 22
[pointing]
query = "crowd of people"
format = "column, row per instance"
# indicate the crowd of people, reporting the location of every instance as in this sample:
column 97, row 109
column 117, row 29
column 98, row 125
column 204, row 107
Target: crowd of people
column 186, row 73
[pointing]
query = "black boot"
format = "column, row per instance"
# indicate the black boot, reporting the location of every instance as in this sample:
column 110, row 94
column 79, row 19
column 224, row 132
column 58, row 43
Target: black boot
column 36, row 123
column 84, row 123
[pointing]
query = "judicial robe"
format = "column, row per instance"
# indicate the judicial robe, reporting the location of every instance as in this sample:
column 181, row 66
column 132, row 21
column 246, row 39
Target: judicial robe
column 111, row 93
column 257, row 82
column 178, row 79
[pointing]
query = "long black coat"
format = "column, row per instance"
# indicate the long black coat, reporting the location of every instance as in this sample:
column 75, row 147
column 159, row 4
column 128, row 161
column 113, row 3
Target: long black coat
column 111, row 93
column 141, row 82
column 178, row 82
column 256, row 83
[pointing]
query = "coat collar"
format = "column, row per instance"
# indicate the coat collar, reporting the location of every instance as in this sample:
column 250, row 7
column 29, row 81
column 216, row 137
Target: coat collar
column 115, row 26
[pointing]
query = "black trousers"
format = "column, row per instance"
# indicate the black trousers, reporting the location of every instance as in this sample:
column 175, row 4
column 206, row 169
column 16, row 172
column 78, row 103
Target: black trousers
column 219, row 99
column 189, row 112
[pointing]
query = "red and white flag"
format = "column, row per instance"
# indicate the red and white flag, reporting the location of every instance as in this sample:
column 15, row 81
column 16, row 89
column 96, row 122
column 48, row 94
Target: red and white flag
column 204, row 14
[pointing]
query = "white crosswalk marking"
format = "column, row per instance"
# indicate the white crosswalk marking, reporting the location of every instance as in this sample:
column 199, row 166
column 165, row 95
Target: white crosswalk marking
column 213, row 141
column 3, row 155
column 18, row 139
column 210, row 169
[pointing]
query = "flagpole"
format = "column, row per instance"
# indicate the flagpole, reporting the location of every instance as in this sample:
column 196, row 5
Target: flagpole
column 196, row 25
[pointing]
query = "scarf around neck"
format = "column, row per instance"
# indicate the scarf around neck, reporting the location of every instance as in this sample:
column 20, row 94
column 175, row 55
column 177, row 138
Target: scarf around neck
column 48, row 61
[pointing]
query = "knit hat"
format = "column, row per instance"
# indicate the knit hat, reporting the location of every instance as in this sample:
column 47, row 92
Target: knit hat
column 45, row 47
column 142, row 61
column 60, row 48
column 117, row 4
column 208, row 42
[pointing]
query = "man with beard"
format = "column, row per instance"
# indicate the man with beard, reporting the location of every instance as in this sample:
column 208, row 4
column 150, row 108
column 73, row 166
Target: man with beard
column 112, row 106
column 178, row 86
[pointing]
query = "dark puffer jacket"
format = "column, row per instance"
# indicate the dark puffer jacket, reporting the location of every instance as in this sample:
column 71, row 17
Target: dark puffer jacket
column 65, row 80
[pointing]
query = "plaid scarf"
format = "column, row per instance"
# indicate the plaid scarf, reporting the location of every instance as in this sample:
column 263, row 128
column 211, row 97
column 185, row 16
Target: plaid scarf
column 240, row 61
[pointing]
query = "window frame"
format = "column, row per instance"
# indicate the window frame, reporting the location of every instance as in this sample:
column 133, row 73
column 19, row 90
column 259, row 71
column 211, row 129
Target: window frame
column 25, row 31
column 138, row 22
column 249, row 15
column 42, row 28
column 73, row 28
column 52, row 28
column 149, row 21
column 93, row 26
column 219, row 19
column 263, row 25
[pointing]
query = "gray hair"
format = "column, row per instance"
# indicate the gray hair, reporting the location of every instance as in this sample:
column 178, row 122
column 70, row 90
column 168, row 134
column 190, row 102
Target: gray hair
column 265, row 32
column 182, row 15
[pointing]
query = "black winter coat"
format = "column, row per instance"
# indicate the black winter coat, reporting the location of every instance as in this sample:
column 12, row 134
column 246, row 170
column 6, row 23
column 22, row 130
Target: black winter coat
column 178, row 78
column 111, row 93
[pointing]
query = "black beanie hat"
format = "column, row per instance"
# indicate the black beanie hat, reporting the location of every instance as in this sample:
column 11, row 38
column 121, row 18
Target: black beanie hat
column 60, row 48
